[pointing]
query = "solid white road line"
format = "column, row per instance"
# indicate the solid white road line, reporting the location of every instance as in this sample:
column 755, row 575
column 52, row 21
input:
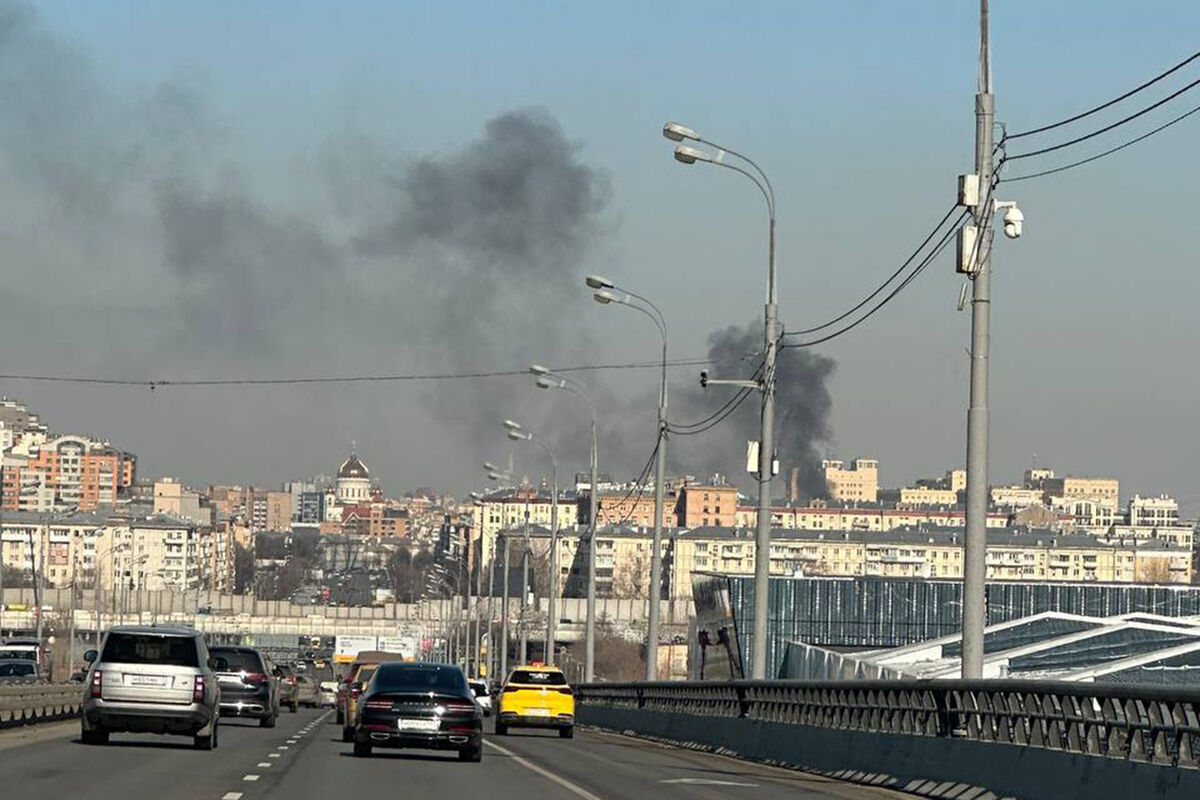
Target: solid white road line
column 573, row 788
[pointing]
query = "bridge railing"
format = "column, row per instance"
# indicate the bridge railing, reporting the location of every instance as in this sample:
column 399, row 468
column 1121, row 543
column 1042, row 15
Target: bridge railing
column 1158, row 726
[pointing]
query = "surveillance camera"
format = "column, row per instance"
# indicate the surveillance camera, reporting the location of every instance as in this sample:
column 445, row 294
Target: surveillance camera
column 1014, row 221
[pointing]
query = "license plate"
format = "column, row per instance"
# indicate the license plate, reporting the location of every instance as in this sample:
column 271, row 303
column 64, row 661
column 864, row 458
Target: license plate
column 424, row 725
column 145, row 680
column 538, row 712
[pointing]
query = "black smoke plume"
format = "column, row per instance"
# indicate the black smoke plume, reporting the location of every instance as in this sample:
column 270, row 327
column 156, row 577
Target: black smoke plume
column 802, row 409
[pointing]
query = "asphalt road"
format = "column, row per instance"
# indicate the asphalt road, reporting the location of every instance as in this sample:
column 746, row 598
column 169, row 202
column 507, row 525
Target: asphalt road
column 304, row 758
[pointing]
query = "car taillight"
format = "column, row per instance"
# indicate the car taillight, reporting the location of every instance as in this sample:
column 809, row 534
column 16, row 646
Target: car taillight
column 97, row 683
column 256, row 678
column 198, row 690
column 459, row 707
column 508, row 689
column 379, row 705
column 567, row 690
column 355, row 691
column 292, row 681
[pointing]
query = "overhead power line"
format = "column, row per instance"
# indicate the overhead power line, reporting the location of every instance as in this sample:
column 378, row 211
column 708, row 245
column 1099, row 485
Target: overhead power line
column 332, row 379
column 1105, row 129
column 925, row 262
column 1108, row 152
column 883, row 285
column 1109, row 104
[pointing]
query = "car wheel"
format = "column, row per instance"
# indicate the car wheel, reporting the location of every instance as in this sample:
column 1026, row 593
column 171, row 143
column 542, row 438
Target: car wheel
column 267, row 722
column 347, row 733
column 362, row 749
column 566, row 733
column 501, row 729
column 474, row 754
column 95, row 736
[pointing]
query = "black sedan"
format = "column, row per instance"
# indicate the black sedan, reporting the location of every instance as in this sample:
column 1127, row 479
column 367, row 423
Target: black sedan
column 417, row 705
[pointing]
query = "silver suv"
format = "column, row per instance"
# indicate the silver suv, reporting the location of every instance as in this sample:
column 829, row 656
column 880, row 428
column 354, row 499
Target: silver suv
column 152, row 680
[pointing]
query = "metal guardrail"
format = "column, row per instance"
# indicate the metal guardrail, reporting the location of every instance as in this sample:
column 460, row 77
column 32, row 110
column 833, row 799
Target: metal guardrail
column 1157, row 726
column 29, row 703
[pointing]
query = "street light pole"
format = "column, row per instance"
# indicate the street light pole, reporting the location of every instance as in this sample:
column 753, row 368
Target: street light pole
column 603, row 296
column 548, row 379
column 766, row 445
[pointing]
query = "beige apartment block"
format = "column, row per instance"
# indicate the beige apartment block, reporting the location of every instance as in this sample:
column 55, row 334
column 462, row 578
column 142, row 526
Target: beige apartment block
column 1104, row 491
column 858, row 484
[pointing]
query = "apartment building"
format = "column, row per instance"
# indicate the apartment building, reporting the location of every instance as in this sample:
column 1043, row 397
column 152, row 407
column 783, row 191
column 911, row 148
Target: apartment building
column 508, row 508
column 632, row 508
column 706, row 504
column 825, row 518
column 1102, row 491
column 919, row 497
column 1153, row 512
column 173, row 499
column 857, row 484
column 623, row 557
column 61, row 472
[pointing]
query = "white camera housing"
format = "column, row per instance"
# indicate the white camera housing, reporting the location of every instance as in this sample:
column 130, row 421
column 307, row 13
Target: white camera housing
column 1014, row 222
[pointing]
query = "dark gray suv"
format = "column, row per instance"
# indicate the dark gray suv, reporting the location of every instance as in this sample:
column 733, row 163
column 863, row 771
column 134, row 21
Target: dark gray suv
column 151, row 680
column 249, row 686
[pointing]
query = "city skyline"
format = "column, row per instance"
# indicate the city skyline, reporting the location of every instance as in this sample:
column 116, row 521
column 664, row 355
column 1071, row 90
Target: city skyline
column 209, row 258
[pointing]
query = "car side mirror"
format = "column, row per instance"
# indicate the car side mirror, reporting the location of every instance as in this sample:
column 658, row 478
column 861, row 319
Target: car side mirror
column 90, row 655
column 218, row 664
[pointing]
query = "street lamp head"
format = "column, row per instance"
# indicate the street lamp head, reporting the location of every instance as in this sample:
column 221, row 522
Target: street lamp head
column 538, row 369
column 493, row 475
column 512, row 426
column 546, row 383
column 677, row 133
column 490, row 467
column 517, row 436
column 598, row 282
column 604, row 297
column 690, row 155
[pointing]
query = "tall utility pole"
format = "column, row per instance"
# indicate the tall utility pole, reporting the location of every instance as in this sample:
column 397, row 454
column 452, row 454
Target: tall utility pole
column 660, row 470
column 975, row 557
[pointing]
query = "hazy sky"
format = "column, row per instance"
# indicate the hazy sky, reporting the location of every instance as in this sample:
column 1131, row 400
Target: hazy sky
column 226, row 189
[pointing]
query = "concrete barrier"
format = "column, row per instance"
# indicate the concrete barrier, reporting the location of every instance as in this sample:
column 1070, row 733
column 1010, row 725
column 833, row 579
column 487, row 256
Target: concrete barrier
column 28, row 704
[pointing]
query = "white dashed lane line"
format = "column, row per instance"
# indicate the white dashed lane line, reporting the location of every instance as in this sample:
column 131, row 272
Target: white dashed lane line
column 272, row 755
column 249, row 777
column 264, row 764
column 232, row 796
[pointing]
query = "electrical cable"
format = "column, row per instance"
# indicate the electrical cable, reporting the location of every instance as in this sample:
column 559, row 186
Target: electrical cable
column 1108, row 152
column 1106, row 128
column 1110, row 103
column 639, row 485
column 437, row 376
column 912, row 276
column 682, row 428
column 883, row 285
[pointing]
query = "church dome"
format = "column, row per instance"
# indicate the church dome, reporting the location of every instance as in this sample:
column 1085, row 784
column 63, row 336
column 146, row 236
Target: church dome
column 352, row 468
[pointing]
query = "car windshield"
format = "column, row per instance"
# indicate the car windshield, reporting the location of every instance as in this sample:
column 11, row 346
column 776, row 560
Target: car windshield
column 17, row 669
column 419, row 678
column 148, row 648
column 240, row 660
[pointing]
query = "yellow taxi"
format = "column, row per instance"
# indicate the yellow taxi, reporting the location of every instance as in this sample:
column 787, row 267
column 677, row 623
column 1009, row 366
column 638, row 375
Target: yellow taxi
column 536, row 696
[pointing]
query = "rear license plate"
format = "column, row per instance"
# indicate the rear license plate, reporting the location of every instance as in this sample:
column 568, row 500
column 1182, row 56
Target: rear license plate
column 424, row 725
column 538, row 712
column 146, row 680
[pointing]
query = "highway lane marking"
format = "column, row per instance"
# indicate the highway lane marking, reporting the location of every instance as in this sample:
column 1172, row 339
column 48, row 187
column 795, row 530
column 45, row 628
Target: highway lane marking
column 573, row 788
column 708, row 782
column 232, row 796
column 282, row 747
column 268, row 763
column 272, row 755
column 249, row 777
